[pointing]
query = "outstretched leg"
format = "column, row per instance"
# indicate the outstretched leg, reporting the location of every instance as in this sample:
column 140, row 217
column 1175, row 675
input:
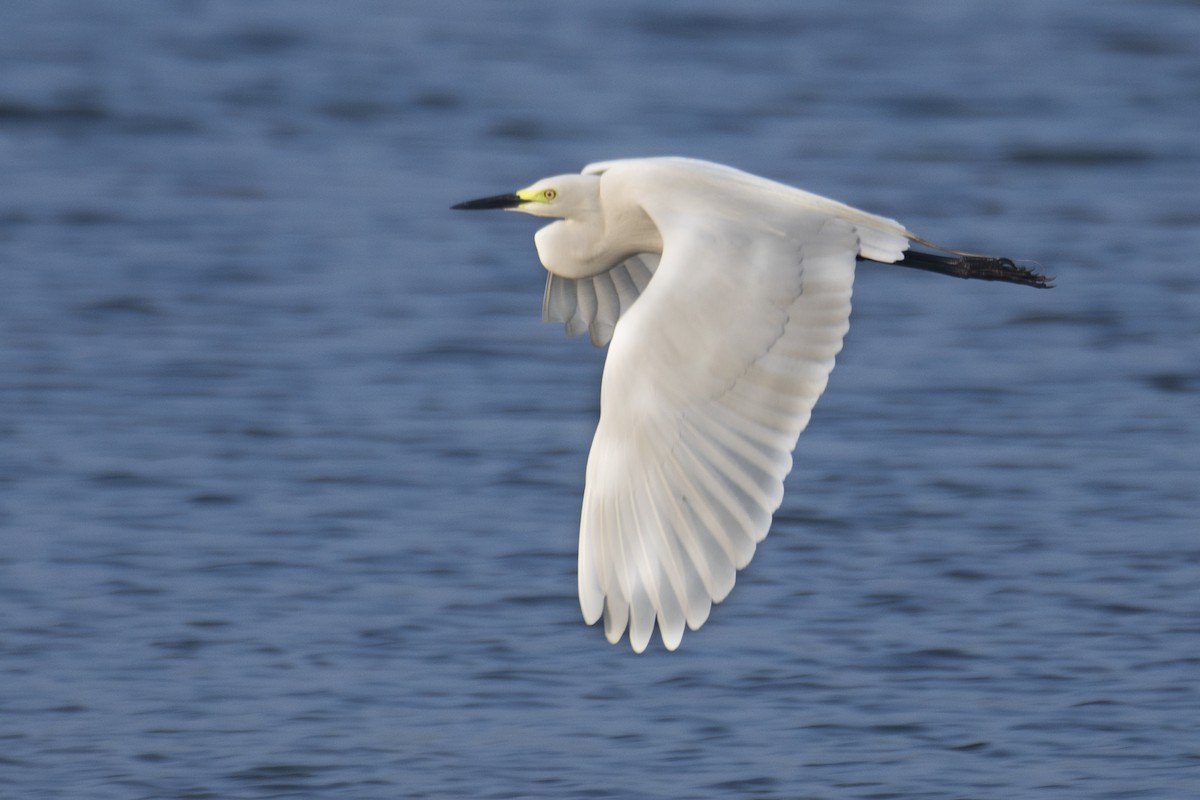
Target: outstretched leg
column 971, row 265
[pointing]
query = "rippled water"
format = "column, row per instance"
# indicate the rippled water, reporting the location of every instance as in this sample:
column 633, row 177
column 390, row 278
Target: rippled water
column 290, row 468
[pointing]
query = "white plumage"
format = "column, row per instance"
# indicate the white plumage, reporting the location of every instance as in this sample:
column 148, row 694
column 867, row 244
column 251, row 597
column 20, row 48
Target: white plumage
column 724, row 298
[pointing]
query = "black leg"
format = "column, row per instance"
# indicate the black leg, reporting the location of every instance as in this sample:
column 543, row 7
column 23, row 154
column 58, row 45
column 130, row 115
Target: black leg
column 972, row 266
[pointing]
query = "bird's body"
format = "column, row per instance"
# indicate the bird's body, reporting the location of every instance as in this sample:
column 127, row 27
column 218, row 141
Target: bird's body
column 724, row 298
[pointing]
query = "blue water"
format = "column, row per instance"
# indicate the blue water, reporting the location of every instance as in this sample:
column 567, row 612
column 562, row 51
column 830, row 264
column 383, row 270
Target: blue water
column 290, row 468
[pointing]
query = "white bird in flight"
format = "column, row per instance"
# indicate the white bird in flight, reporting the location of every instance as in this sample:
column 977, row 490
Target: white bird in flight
column 723, row 298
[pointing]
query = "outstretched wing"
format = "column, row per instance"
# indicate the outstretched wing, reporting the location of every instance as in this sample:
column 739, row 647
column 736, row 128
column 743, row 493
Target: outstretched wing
column 595, row 304
column 709, row 380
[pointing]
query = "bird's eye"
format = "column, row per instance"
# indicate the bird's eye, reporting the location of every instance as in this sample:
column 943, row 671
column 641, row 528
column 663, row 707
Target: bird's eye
column 550, row 194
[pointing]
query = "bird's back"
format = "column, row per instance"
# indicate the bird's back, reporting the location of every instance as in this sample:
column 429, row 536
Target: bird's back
column 676, row 185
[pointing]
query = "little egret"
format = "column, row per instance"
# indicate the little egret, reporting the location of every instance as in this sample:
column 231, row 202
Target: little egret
column 723, row 298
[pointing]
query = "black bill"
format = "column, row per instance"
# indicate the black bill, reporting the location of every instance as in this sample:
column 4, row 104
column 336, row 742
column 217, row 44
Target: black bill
column 499, row 201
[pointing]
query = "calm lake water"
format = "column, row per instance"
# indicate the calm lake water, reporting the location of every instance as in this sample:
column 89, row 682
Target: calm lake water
column 290, row 468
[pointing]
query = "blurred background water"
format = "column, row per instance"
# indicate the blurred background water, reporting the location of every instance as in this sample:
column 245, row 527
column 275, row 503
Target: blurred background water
column 290, row 467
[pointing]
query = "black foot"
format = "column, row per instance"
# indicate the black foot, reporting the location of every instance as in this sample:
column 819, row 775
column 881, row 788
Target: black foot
column 983, row 268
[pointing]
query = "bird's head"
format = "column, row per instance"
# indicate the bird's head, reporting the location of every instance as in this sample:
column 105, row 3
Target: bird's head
column 561, row 197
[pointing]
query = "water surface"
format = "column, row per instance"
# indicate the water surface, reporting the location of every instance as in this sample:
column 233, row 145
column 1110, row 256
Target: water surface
column 290, row 468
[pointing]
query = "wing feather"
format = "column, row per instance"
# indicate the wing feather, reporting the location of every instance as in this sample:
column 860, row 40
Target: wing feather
column 710, row 378
column 696, row 534
column 595, row 304
column 695, row 562
column 672, row 580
